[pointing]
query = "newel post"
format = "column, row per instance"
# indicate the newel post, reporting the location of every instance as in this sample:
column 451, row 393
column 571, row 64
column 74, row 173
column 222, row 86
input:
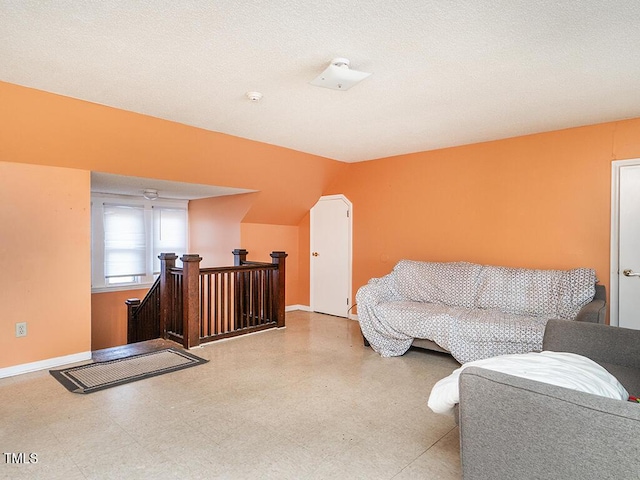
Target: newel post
column 278, row 258
column 132, row 308
column 239, row 256
column 167, row 262
column 191, row 300
column 241, row 292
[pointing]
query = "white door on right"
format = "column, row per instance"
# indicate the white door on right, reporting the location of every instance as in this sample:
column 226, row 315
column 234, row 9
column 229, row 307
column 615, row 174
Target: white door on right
column 629, row 247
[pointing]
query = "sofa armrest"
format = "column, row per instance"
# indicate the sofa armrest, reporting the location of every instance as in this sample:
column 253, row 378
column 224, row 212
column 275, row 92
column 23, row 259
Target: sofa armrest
column 593, row 312
column 601, row 343
column 512, row 427
column 376, row 291
column 596, row 310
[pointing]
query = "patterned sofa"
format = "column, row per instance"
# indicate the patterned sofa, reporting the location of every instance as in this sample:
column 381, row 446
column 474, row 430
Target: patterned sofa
column 472, row 311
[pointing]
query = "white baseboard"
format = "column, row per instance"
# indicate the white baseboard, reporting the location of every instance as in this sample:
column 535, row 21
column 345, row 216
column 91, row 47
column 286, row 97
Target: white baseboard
column 291, row 308
column 44, row 364
column 307, row 308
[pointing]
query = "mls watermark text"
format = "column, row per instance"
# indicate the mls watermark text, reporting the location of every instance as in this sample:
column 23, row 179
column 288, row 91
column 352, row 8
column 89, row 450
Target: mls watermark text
column 20, row 457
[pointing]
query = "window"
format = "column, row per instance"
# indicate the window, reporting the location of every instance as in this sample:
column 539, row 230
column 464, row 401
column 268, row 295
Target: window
column 125, row 243
column 128, row 235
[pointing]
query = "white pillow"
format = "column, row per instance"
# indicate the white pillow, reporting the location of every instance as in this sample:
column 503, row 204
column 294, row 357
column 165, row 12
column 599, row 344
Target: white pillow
column 556, row 368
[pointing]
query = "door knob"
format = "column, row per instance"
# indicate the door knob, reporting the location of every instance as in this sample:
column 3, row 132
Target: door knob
column 315, row 254
column 630, row 273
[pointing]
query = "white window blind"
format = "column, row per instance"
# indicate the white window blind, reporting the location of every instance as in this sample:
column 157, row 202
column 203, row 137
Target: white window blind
column 169, row 232
column 128, row 234
column 124, row 241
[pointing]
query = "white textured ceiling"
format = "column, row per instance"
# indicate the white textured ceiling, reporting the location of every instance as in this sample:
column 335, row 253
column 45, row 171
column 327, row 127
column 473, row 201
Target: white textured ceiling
column 444, row 73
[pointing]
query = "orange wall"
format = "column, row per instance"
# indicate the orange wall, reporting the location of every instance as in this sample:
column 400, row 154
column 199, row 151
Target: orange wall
column 45, row 250
column 304, row 264
column 47, row 129
column 215, row 230
column 109, row 318
column 260, row 240
column 214, row 227
column 540, row 201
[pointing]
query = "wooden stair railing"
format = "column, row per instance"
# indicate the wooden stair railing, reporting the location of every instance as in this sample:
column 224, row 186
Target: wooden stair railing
column 143, row 317
column 201, row 305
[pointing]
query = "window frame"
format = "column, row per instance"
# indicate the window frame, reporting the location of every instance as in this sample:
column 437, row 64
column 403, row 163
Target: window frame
column 99, row 283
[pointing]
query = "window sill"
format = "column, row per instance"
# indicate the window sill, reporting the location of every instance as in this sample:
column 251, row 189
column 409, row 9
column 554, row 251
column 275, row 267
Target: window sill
column 122, row 288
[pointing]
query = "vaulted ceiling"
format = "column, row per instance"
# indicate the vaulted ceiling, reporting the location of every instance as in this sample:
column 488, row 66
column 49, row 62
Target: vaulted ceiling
column 443, row 73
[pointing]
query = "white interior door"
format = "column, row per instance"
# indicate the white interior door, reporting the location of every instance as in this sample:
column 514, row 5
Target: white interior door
column 331, row 255
column 625, row 278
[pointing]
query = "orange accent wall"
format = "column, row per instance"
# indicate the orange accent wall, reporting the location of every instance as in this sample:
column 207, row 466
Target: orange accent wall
column 214, row 227
column 109, row 318
column 539, row 201
column 260, row 240
column 47, row 129
column 625, row 141
column 304, row 263
column 45, row 250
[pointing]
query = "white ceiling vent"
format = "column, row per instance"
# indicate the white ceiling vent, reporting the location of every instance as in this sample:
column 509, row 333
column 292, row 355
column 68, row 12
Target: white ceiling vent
column 339, row 76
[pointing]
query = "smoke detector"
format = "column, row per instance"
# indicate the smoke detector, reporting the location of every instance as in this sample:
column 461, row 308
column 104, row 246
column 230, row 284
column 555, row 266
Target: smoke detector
column 338, row 76
column 254, row 96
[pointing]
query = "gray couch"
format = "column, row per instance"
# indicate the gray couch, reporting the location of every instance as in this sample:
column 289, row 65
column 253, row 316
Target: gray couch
column 470, row 310
column 515, row 428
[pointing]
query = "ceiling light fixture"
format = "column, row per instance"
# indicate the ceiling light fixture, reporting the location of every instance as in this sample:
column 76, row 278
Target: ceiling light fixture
column 150, row 194
column 338, row 76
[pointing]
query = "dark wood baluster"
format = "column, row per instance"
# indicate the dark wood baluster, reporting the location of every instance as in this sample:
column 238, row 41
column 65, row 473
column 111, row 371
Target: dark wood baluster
column 264, row 297
column 256, row 298
column 229, row 301
column 256, row 320
column 216, row 304
column 209, row 303
column 270, row 282
column 223, row 299
column 201, row 287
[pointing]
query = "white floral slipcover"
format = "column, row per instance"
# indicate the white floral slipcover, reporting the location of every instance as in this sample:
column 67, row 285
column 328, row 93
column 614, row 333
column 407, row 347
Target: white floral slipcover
column 473, row 311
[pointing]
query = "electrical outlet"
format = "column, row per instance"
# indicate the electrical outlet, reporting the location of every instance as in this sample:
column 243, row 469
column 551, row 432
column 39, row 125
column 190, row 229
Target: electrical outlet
column 21, row 329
